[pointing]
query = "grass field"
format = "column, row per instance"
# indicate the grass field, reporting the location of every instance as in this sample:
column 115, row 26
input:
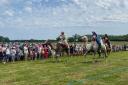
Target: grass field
column 69, row 71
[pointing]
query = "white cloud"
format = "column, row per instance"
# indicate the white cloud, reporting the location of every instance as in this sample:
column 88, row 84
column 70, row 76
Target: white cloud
column 77, row 1
column 81, row 4
column 111, row 4
column 31, row 15
column 28, row 3
column 28, row 9
column 118, row 17
column 4, row 2
column 81, row 13
column 126, row 3
column 103, row 3
column 9, row 13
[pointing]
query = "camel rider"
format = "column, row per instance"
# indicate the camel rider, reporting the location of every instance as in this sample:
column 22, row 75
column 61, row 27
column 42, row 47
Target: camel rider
column 97, row 39
column 63, row 39
column 106, row 40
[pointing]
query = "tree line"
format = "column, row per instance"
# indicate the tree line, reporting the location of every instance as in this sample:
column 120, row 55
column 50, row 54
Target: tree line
column 74, row 38
column 4, row 39
column 77, row 38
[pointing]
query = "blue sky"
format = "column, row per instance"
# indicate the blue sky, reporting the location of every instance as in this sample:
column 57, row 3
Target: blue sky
column 45, row 19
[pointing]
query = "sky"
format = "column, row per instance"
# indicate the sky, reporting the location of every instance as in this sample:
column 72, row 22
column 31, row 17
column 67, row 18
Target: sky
column 45, row 19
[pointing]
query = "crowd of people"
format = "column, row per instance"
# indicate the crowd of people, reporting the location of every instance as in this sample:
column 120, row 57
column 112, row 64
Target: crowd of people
column 25, row 51
column 11, row 52
column 29, row 51
column 117, row 48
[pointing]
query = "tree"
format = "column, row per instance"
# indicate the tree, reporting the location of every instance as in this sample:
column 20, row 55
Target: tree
column 4, row 39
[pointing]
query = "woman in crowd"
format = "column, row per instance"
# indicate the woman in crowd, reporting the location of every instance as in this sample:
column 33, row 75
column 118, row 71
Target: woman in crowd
column 45, row 52
column 26, row 52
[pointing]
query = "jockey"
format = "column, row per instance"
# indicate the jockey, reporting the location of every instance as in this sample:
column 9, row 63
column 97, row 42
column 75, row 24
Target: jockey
column 106, row 40
column 97, row 39
column 63, row 39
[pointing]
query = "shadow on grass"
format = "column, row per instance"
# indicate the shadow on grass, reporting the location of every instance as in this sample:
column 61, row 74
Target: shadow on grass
column 91, row 62
column 56, row 61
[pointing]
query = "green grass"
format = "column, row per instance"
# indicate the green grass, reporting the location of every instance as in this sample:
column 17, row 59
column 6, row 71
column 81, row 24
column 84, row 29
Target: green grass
column 69, row 71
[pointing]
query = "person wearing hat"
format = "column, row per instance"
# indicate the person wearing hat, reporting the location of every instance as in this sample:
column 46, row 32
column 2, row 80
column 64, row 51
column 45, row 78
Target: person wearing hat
column 106, row 40
column 97, row 38
column 63, row 39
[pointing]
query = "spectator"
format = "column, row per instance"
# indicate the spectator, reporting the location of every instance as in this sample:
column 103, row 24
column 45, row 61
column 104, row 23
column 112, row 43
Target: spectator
column 1, row 53
column 26, row 52
column 45, row 52
column 8, row 53
column 13, row 54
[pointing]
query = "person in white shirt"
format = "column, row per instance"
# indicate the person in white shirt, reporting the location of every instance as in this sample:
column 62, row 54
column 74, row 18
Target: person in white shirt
column 40, row 50
column 26, row 52
column 13, row 54
column 8, row 53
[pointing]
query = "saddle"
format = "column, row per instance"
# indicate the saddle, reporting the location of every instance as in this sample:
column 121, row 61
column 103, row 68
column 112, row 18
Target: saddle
column 64, row 45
